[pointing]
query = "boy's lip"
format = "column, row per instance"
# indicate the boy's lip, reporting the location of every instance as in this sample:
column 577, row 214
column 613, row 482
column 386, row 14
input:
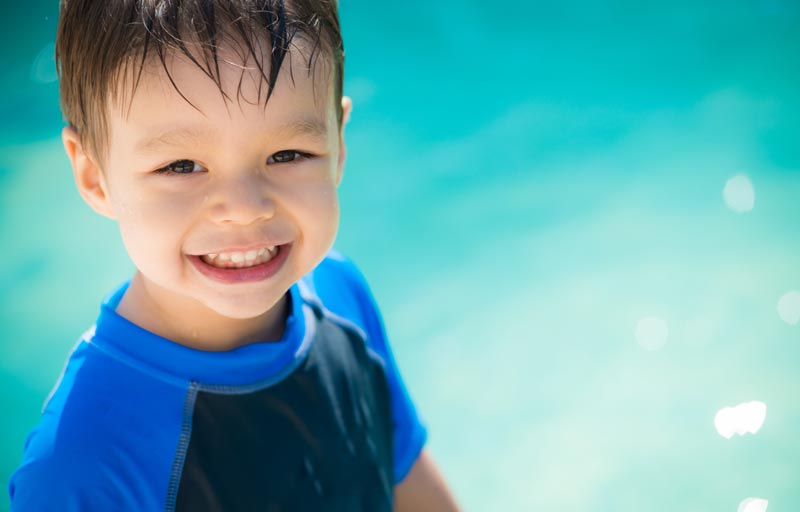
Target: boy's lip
column 243, row 275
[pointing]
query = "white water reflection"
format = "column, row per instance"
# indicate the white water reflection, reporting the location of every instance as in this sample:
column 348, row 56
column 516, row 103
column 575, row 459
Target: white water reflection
column 789, row 307
column 741, row 419
column 652, row 333
column 739, row 194
column 753, row 505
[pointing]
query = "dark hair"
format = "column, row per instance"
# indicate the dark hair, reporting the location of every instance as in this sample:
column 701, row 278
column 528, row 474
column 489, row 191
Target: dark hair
column 100, row 43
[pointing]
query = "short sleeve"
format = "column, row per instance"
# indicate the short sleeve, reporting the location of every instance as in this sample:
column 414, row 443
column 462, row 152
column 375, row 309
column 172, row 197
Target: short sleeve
column 55, row 485
column 60, row 470
column 91, row 452
column 343, row 290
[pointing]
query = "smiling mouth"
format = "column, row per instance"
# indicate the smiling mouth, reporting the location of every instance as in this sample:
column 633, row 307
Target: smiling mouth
column 241, row 259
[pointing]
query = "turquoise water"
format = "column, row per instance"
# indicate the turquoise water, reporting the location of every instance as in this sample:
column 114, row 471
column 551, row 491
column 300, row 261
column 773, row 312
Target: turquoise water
column 535, row 192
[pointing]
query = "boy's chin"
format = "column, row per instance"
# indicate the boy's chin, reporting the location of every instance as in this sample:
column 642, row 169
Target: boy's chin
column 245, row 308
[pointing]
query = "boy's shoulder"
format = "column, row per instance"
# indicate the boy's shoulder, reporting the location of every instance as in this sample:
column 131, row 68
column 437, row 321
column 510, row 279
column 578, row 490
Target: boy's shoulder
column 338, row 287
column 88, row 437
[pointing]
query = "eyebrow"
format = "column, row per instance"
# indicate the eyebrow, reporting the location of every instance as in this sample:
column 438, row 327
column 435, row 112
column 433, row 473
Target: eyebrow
column 306, row 126
column 172, row 137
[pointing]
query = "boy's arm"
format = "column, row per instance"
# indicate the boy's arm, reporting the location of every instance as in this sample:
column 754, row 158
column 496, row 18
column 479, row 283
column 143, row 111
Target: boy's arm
column 424, row 489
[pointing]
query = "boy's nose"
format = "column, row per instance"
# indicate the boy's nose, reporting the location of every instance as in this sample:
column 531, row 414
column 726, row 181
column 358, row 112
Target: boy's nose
column 241, row 200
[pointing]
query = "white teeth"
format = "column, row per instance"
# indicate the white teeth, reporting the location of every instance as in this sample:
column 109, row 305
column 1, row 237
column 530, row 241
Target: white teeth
column 241, row 259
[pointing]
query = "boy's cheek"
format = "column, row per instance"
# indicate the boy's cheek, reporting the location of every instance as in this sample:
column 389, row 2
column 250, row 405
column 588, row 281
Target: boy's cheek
column 152, row 226
column 156, row 208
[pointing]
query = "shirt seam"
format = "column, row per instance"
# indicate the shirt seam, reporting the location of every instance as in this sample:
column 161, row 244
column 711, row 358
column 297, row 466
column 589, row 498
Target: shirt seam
column 183, row 446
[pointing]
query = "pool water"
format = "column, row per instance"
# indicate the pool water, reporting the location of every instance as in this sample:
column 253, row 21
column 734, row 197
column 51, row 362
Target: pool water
column 580, row 220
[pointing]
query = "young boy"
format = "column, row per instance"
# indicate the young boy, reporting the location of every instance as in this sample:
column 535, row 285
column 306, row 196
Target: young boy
column 244, row 366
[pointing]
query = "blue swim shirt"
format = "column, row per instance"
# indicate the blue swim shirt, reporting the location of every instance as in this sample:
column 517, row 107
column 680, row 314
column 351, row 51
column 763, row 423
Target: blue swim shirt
column 319, row 420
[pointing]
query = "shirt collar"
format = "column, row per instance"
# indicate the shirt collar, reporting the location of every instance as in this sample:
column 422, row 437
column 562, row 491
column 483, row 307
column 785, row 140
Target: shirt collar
column 242, row 365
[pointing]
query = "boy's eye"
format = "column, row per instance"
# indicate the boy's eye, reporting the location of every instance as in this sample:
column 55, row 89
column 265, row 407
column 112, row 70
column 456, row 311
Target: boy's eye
column 180, row 167
column 284, row 157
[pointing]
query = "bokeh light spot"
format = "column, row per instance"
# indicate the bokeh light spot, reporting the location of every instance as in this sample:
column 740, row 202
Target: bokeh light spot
column 741, row 419
column 789, row 307
column 43, row 69
column 739, row 194
column 753, row 505
column 651, row 333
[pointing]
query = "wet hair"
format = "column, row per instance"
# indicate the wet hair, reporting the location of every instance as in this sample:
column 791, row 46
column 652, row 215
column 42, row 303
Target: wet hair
column 103, row 44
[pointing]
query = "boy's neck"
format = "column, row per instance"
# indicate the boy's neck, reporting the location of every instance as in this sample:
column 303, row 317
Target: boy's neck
column 197, row 326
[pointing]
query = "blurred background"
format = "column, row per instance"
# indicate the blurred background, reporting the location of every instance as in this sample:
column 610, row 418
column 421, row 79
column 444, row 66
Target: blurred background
column 581, row 220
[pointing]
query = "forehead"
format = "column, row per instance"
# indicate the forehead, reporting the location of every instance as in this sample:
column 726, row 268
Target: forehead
column 231, row 89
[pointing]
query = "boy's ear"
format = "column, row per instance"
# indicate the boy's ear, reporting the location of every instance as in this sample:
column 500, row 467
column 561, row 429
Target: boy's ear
column 347, row 107
column 87, row 173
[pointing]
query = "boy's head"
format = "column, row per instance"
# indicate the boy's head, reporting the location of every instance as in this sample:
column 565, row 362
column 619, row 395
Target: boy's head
column 211, row 131
column 102, row 46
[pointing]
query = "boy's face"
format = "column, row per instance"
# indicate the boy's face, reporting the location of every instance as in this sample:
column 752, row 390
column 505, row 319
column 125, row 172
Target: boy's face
column 224, row 178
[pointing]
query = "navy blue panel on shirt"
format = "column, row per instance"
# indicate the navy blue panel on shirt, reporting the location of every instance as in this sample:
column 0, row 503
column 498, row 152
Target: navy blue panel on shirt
column 320, row 439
